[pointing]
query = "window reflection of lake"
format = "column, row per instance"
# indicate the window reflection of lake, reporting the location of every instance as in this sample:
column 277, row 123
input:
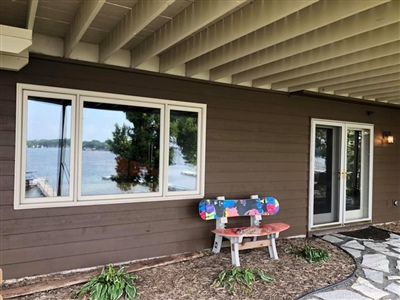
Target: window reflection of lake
column 97, row 167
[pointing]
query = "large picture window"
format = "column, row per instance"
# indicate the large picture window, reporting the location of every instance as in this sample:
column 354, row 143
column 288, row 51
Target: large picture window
column 79, row 148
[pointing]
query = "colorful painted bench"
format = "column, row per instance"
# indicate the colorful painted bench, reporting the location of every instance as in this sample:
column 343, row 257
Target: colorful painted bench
column 220, row 210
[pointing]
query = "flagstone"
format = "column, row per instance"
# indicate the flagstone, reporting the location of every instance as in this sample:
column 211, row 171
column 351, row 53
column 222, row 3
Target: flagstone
column 353, row 252
column 394, row 236
column 376, row 261
column 376, row 276
column 332, row 239
column 393, row 242
column 365, row 287
column 382, row 248
column 393, row 277
column 341, row 294
column 354, row 245
column 394, row 288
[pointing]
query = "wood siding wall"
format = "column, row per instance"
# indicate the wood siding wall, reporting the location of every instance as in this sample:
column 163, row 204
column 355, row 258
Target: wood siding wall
column 257, row 143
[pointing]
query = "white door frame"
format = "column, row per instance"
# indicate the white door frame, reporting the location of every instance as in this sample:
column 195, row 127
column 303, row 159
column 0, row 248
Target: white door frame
column 342, row 183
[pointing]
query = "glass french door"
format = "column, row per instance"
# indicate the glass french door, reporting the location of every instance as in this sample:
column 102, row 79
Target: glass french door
column 340, row 172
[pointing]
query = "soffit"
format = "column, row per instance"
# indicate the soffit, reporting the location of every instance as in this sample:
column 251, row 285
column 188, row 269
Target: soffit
column 350, row 50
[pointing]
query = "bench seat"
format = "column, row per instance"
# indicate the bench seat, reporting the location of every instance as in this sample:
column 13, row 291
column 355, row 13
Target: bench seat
column 255, row 208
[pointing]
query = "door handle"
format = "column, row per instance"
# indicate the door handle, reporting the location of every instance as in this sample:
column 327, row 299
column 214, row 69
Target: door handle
column 343, row 174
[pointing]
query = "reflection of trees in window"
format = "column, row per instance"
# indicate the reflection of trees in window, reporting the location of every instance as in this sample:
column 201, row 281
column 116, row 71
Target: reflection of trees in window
column 183, row 132
column 353, row 162
column 320, row 142
column 138, row 149
column 138, row 146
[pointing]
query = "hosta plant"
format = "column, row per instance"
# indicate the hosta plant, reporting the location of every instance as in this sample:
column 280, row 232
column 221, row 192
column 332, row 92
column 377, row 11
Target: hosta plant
column 240, row 278
column 111, row 285
column 312, row 254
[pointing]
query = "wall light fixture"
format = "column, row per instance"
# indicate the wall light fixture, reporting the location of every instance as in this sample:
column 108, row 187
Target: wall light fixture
column 388, row 137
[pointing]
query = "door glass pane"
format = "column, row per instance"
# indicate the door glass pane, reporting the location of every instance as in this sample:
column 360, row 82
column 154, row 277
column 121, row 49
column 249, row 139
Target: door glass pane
column 357, row 179
column 120, row 149
column 354, row 140
column 326, row 180
column 48, row 147
column 182, row 169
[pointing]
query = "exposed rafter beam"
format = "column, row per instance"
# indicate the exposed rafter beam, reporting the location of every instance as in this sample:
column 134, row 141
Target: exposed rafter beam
column 346, row 60
column 254, row 16
column 360, row 42
column 393, row 88
column 361, row 89
column 380, row 69
column 315, row 78
column 32, row 8
column 139, row 17
column 392, row 93
column 199, row 14
column 84, row 17
column 390, row 98
column 327, row 35
column 393, row 101
column 343, row 87
column 315, row 16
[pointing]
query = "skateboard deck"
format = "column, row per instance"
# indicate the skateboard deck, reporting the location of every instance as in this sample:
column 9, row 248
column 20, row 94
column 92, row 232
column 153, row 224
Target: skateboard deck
column 212, row 209
column 252, row 230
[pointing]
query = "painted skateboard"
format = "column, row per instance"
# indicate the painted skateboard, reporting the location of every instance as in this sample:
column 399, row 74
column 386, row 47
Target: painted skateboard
column 212, row 209
column 252, row 230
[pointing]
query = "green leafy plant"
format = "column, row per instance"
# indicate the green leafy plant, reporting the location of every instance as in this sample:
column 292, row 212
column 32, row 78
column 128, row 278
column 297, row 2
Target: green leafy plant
column 315, row 255
column 111, row 285
column 243, row 279
column 311, row 254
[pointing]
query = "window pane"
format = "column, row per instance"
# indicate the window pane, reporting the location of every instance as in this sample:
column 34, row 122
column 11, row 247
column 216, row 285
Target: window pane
column 120, row 149
column 48, row 147
column 182, row 170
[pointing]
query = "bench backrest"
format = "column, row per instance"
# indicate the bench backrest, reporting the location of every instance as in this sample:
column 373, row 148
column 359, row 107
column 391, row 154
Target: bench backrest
column 212, row 209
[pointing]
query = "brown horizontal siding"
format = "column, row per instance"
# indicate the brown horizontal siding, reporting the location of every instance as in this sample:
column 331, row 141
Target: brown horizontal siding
column 234, row 166
column 254, row 126
column 49, row 265
column 6, row 183
column 237, row 177
column 97, row 232
column 271, row 137
column 96, row 209
column 100, row 219
column 244, row 156
column 257, row 143
column 102, row 245
column 6, row 168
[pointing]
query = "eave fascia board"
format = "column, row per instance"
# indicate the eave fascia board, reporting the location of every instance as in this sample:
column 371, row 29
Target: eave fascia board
column 14, row 40
column 14, row 62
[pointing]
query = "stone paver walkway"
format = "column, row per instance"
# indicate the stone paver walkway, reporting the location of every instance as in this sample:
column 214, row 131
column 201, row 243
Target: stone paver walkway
column 378, row 270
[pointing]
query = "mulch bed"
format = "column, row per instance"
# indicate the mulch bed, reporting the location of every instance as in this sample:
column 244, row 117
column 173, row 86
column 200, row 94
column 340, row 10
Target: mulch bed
column 191, row 279
column 294, row 276
column 370, row 232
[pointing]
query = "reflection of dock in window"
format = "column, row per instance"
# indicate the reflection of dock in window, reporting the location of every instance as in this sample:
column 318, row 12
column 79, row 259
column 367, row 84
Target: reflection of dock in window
column 41, row 183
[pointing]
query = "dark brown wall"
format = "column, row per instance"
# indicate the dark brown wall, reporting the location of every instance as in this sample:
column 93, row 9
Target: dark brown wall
column 257, row 143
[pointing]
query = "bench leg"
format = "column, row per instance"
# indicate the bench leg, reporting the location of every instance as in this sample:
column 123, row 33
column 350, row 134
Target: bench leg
column 217, row 243
column 235, row 254
column 272, row 249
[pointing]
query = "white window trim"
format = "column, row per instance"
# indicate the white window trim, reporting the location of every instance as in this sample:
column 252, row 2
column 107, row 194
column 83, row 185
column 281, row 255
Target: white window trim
column 78, row 97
